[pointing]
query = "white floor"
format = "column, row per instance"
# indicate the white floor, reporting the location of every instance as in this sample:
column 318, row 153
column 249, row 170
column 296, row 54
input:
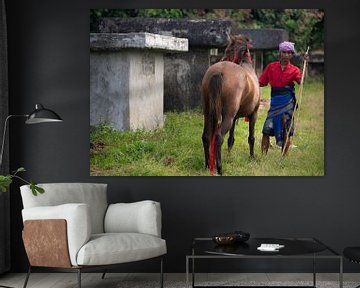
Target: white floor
column 119, row 280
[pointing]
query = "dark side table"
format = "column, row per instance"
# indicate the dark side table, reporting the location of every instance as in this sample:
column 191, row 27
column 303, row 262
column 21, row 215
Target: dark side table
column 294, row 248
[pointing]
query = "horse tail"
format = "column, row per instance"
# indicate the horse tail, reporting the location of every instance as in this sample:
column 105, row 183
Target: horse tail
column 215, row 86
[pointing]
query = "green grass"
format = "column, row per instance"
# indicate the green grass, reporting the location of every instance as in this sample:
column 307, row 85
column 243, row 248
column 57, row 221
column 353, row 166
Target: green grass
column 176, row 150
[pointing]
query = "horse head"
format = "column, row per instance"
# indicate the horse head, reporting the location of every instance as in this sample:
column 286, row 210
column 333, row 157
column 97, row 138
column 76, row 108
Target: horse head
column 237, row 50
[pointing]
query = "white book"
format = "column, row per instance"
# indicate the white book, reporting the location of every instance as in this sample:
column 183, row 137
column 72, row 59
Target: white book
column 270, row 247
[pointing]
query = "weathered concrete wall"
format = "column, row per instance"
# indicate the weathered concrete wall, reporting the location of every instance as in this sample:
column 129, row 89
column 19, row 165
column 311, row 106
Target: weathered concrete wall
column 109, row 89
column 201, row 32
column 316, row 63
column 127, row 79
column 146, row 82
column 183, row 76
column 142, row 40
column 262, row 39
column 126, row 89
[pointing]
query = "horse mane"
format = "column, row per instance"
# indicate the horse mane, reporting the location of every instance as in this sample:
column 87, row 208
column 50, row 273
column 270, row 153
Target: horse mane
column 237, row 50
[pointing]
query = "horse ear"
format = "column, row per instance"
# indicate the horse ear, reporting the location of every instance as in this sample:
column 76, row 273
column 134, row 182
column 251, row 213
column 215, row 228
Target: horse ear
column 232, row 37
column 228, row 37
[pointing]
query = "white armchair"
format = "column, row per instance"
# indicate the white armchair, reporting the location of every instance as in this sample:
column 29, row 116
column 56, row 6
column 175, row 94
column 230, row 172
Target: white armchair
column 71, row 227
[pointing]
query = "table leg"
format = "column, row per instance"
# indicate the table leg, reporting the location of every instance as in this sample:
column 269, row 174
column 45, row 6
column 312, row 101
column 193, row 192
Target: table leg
column 341, row 273
column 187, row 272
column 193, row 272
column 314, row 271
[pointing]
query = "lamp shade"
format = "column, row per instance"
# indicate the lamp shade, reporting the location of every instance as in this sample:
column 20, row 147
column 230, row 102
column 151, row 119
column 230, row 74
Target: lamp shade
column 42, row 115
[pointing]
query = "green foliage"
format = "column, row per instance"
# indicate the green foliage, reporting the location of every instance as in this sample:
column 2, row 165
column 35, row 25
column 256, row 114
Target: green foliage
column 36, row 189
column 164, row 13
column 6, row 180
column 305, row 26
column 177, row 148
column 96, row 14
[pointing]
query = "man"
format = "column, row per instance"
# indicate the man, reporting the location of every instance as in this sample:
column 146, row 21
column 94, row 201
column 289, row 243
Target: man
column 281, row 76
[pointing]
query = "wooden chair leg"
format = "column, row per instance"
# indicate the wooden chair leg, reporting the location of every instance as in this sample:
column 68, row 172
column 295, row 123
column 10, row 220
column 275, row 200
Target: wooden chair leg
column 27, row 277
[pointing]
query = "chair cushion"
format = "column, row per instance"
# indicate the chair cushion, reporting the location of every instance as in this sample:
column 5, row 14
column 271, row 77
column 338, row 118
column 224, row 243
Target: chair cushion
column 93, row 194
column 352, row 253
column 113, row 248
column 137, row 217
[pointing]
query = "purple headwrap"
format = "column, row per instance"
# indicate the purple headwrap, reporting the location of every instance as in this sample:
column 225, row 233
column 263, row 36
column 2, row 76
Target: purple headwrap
column 287, row 46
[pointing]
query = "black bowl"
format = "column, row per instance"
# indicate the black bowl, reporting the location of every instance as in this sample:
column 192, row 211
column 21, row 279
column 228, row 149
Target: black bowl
column 224, row 239
column 231, row 238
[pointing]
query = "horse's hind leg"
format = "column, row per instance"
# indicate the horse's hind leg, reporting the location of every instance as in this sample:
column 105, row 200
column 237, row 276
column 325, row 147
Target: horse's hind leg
column 225, row 126
column 206, row 139
column 231, row 138
column 251, row 138
column 219, row 142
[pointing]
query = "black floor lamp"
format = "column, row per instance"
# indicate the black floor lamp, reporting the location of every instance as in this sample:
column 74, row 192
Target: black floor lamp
column 39, row 115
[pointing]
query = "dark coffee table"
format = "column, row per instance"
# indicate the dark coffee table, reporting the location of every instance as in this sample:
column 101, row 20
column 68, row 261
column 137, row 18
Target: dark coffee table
column 294, row 248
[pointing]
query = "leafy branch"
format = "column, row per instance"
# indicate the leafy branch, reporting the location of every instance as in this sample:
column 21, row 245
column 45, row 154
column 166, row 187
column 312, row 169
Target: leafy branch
column 6, row 180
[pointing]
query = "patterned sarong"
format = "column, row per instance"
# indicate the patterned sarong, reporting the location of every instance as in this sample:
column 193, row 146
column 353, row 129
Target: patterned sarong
column 281, row 109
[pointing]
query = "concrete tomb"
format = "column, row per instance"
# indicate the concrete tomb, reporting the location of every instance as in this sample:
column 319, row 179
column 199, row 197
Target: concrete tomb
column 127, row 78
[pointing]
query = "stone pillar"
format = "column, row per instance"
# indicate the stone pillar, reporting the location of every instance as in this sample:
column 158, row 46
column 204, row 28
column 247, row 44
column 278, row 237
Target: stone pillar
column 127, row 78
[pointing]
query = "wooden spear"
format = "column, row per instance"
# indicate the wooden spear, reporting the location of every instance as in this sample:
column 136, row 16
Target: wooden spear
column 297, row 103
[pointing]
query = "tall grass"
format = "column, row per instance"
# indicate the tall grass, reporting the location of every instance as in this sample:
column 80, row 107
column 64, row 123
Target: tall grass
column 177, row 148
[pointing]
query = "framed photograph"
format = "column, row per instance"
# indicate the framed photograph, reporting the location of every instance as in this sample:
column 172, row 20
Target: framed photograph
column 201, row 92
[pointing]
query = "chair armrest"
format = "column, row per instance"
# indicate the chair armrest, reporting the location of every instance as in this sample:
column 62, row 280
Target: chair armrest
column 52, row 250
column 77, row 218
column 138, row 217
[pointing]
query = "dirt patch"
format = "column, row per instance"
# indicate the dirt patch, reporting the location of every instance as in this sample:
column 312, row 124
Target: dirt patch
column 96, row 146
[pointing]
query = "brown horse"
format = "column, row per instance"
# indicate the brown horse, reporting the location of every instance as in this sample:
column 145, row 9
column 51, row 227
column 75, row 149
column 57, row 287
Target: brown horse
column 229, row 91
